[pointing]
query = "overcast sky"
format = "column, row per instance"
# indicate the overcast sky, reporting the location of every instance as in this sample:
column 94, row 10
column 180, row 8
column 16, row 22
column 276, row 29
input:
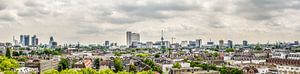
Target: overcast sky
column 94, row 21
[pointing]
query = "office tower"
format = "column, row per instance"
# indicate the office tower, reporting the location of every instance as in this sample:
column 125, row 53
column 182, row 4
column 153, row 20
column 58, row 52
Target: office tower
column 106, row 43
column 36, row 41
column 245, row 43
column 26, row 40
column 230, row 44
column 296, row 42
column 132, row 37
column 184, row 44
column 33, row 38
column 15, row 41
column 221, row 43
column 135, row 37
column 198, row 43
column 128, row 38
column 22, row 42
column 51, row 40
column 149, row 44
column 192, row 44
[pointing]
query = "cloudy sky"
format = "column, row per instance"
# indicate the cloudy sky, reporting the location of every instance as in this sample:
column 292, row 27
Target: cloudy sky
column 94, row 21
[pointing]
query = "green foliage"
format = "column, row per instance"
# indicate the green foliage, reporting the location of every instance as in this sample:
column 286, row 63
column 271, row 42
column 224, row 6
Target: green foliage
column 229, row 50
column 215, row 54
column 142, row 55
column 123, row 72
column 97, row 63
column 69, row 71
column 145, row 72
column 10, row 72
column 52, row 71
column 106, row 71
column 152, row 65
column 63, row 64
column 87, row 71
column 132, row 68
column 176, row 65
column 157, row 55
column 8, row 52
column 257, row 47
column 7, row 63
column 118, row 64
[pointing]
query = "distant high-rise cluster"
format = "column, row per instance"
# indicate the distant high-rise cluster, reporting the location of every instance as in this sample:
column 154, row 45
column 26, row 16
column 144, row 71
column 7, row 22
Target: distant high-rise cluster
column 25, row 40
column 132, row 38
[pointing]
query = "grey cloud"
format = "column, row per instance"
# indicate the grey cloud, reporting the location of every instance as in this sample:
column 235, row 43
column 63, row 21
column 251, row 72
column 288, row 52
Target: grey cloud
column 32, row 3
column 2, row 5
column 153, row 9
column 262, row 9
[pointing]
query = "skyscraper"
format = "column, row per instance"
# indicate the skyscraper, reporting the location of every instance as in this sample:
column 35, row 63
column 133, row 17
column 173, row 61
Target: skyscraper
column 106, row 43
column 230, row 44
column 26, row 40
column 128, row 38
column 132, row 37
column 51, row 40
column 33, row 40
column 198, row 43
column 22, row 42
column 221, row 43
column 245, row 43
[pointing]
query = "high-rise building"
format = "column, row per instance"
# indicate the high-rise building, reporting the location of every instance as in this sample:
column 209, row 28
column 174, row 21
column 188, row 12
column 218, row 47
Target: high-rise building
column 230, row 44
column 33, row 40
column 132, row 37
column 22, row 42
column 149, row 44
column 106, row 43
column 296, row 42
column 245, row 43
column 26, row 40
column 51, row 40
column 198, row 43
column 36, row 41
column 221, row 43
column 128, row 38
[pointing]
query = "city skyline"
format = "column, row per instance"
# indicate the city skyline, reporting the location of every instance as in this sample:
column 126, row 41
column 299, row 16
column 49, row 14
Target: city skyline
column 96, row 21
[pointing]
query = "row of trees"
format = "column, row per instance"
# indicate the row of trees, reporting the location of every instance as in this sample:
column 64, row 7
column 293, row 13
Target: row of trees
column 92, row 71
column 223, row 70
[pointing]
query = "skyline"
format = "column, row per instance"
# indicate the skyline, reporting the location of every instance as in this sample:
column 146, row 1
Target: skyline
column 96, row 21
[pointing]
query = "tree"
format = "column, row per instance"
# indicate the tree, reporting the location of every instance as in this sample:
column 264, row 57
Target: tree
column 97, row 63
column 8, row 52
column 122, row 72
column 223, row 70
column 7, row 63
column 146, row 72
column 176, row 65
column 52, row 71
column 69, row 71
column 236, row 71
column 132, row 68
column 106, row 71
column 156, row 55
column 87, row 71
column 15, row 53
column 63, row 64
column 215, row 54
column 229, row 50
column 118, row 64
column 257, row 47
